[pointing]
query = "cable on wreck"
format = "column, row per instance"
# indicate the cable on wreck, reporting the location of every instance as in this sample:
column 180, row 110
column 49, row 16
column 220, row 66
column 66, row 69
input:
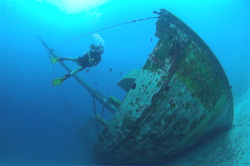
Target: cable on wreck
column 109, row 27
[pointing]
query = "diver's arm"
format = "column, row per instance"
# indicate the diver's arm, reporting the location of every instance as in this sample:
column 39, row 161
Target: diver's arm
column 80, row 68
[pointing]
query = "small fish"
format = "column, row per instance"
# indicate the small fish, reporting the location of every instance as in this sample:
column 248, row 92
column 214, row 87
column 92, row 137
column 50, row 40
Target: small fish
column 120, row 73
column 87, row 70
column 151, row 39
column 110, row 69
column 95, row 83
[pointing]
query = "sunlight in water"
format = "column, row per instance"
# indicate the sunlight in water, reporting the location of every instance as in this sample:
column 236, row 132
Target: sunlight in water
column 76, row 6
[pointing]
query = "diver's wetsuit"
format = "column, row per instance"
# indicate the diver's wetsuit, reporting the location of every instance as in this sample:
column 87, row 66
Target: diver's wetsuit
column 83, row 61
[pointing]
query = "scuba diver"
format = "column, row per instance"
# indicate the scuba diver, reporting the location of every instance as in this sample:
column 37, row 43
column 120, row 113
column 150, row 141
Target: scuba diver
column 89, row 59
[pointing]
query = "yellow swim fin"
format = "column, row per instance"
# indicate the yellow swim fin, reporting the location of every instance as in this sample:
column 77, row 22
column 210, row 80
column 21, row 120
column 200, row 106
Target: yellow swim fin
column 54, row 60
column 58, row 81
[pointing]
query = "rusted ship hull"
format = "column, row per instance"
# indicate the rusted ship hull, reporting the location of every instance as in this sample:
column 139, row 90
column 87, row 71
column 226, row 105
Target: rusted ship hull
column 181, row 94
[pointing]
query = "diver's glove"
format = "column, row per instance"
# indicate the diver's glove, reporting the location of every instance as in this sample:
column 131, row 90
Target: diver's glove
column 58, row 81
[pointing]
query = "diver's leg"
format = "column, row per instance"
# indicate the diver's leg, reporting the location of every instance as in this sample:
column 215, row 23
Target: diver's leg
column 59, row 59
column 60, row 80
column 75, row 59
column 80, row 68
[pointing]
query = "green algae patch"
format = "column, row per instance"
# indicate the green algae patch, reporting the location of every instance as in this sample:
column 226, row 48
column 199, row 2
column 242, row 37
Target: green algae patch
column 187, row 105
column 172, row 105
column 202, row 74
column 161, row 53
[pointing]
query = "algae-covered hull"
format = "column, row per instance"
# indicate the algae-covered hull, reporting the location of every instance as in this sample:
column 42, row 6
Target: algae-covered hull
column 180, row 95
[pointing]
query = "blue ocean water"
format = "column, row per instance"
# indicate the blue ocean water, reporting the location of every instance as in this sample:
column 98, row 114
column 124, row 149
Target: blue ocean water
column 40, row 124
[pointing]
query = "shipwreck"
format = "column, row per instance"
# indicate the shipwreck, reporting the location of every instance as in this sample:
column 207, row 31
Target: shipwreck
column 181, row 95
